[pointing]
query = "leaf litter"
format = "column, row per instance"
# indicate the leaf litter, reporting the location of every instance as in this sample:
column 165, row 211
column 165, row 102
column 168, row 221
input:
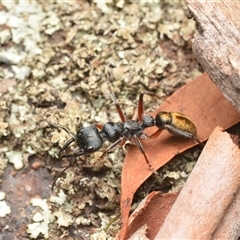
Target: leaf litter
column 53, row 59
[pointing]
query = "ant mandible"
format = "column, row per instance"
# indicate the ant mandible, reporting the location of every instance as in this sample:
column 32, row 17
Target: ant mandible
column 90, row 139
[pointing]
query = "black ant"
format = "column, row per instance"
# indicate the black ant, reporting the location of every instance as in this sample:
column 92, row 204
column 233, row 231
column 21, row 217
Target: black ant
column 90, row 139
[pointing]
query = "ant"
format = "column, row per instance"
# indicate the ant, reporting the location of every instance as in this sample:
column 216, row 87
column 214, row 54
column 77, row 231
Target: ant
column 90, row 139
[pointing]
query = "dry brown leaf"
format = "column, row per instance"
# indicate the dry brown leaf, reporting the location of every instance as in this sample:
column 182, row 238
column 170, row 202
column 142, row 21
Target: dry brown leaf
column 140, row 234
column 204, row 104
column 148, row 213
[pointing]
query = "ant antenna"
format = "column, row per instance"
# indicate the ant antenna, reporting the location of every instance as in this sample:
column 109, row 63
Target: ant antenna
column 73, row 160
column 59, row 175
column 59, row 126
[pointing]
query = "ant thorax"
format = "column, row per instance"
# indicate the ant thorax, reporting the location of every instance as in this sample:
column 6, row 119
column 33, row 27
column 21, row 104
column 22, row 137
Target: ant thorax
column 111, row 131
column 131, row 128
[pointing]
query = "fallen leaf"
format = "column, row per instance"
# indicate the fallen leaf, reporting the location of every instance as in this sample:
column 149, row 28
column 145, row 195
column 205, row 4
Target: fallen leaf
column 208, row 206
column 140, row 234
column 146, row 213
column 205, row 105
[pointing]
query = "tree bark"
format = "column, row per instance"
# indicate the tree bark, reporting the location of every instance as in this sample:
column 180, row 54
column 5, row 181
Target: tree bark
column 217, row 44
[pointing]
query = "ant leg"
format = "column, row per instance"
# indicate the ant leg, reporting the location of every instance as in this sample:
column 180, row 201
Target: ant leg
column 111, row 146
column 156, row 134
column 119, row 109
column 140, row 147
column 179, row 132
column 140, row 108
column 76, row 154
column 176, row 132
column 198, row 141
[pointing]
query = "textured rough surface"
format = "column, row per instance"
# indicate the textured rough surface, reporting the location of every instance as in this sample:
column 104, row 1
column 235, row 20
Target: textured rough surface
column 216, row 46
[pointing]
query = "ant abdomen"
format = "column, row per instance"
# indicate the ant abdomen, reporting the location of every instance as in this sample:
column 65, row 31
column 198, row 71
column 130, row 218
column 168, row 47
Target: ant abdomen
column 176, row 123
